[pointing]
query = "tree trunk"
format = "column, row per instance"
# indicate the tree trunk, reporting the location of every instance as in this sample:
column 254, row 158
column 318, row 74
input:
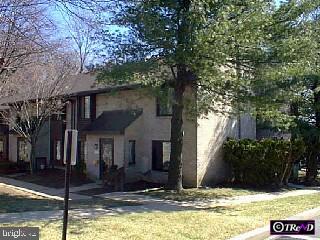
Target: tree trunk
column 312, row 170
column 181, row 80
column 287, row 173
column 175, row 168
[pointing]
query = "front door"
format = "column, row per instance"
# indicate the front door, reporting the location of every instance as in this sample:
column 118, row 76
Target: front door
column 23, row 152
column 106, row 154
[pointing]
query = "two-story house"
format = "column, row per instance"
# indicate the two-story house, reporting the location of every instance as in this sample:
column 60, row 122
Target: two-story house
column 128, row 127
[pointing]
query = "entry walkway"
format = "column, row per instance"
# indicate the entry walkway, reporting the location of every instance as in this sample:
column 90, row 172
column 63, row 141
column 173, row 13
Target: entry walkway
column 47, row 192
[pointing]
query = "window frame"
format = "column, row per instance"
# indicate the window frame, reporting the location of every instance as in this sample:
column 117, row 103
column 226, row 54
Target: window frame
column 160, row 104
column 23, row 141
column 85, row 107
column 154, row 168
column 132, row 163
column 82, row 151
column 56, row 152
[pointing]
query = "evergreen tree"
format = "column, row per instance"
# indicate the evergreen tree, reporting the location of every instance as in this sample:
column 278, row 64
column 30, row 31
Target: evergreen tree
column 221, row 49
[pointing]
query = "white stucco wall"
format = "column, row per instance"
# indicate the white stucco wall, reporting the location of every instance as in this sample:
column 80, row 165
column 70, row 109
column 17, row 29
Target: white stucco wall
column 143, row 130
column 212, row 132
column 248, row 126
column 147, row 128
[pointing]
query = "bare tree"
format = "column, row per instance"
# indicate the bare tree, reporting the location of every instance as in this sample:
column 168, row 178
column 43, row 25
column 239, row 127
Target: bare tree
column 36, row 92
column 82, row 35
column 26, row 25
column 23, row 33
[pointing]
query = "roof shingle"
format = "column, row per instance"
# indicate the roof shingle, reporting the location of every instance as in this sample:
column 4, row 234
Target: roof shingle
column 114, row 121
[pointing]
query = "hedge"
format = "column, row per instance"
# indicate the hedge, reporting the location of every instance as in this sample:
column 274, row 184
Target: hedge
column 261, row 163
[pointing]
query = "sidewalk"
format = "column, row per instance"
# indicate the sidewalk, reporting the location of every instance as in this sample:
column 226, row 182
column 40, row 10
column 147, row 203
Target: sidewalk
column 52, row 193
column 147, row 200
column 58, row 194
column 148, row 203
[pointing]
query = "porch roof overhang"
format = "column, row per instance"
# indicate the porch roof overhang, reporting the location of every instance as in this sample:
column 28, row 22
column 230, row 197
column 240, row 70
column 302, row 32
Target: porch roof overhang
column 113, row 122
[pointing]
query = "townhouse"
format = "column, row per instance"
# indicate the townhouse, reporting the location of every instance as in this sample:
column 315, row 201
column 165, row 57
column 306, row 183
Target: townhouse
column 129, row 127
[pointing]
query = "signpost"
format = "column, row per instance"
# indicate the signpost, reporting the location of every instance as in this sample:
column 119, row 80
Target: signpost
column 69, row 158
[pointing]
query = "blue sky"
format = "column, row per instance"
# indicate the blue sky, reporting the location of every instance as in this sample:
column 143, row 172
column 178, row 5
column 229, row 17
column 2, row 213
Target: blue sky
column 62, row 32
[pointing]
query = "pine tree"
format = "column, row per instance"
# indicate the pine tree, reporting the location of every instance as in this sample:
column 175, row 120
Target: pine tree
column 222, row 49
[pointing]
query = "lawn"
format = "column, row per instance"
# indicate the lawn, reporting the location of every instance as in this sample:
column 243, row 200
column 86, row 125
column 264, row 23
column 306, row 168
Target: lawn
column 215, row 223
column 199, row 194
column 13, row 200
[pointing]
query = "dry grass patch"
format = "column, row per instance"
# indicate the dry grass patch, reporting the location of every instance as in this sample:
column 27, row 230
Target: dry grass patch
column 198, row 194
column 215, row 223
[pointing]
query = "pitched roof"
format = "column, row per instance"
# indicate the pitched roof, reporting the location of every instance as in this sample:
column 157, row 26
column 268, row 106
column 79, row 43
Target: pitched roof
column 85, row 83
column 79, row 85
column 114, row 121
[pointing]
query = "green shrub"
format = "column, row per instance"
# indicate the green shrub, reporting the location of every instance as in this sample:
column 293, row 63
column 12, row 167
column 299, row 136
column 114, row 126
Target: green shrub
column 260, row 163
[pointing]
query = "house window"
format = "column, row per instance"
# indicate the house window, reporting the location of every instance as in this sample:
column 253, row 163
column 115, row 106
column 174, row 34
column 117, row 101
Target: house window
column 85, row 107
column 23, row 153
column 58, row 150
column 164, row 103
column 161, row 155
column 132, row 152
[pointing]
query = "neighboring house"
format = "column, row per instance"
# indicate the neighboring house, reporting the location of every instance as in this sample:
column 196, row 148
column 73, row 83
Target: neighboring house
column 127, row 127
column 51, row 133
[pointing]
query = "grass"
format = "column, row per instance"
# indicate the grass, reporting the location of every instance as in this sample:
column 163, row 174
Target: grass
column 195, row 194
column 13, row 200
column 215, row 223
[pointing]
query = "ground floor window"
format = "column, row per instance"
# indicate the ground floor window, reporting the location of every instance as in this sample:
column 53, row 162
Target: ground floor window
column 161, row 155
column 132, row 152
column 2, row 150
column 58, row 150
column 82, row 151
column 23, row 152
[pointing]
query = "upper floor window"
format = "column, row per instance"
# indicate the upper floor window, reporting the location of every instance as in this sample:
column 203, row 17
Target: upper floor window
column 164, row 103
column 85, row 107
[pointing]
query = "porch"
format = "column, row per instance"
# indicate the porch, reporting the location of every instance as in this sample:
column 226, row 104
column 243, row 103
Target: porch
column 106, row 142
